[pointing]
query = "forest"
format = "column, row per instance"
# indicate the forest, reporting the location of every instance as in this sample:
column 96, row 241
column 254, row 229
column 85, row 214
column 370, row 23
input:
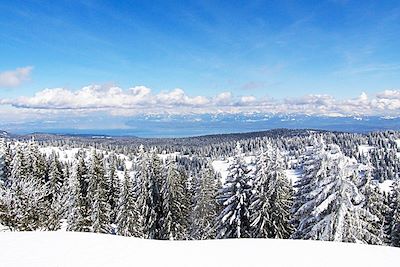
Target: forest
column 180, row 192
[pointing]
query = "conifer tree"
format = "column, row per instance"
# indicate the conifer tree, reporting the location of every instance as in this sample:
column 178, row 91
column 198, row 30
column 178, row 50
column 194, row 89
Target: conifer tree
column 374, row 204
column 19, row 169
column 129, row 222
column 97, row 192
column 205, row 208
column 334, row 211
column 395, row 212
column 23, row 205
column 272, row 198
column 79, row 210
column 314, row 165
column 114, row 189
column 150, row 197
column 37, row 163
column 176, row 204
column 3, row 172
column 233, row 222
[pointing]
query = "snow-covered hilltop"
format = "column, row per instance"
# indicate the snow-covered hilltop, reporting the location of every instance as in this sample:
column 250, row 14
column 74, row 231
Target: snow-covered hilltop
column 282, row 184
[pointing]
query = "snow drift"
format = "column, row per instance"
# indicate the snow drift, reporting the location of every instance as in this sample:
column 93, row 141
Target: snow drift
column 85, row 249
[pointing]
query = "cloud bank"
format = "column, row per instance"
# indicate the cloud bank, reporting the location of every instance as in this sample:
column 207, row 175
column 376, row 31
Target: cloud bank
column 14, row 78
column 141, row 100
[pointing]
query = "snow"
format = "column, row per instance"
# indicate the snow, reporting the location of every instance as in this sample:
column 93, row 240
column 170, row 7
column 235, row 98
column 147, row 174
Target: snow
column 385, row 186
column 397, row 142
column 66, row 155
column 63, row 249
column 364, row 149
column 398, row 147
column 293, row 175
column 222, row 166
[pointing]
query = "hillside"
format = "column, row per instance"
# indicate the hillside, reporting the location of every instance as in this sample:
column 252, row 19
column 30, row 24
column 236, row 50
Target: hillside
column 83, row 249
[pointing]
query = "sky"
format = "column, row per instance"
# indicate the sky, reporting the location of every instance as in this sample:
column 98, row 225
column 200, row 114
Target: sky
column 68, row 59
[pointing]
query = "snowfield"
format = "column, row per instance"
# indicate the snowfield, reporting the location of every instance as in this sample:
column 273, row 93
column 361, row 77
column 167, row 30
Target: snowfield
column 62, row 249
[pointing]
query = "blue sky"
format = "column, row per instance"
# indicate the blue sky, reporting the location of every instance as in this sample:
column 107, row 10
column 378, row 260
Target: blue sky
column 262, row 49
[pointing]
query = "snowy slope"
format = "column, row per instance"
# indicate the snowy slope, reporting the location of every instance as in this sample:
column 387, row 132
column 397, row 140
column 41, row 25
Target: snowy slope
column 62, row 249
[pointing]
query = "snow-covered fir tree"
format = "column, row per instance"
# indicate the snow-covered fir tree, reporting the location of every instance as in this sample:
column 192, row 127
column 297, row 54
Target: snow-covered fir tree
column 129, row 221
column 23, row 205
column 374, row 204
column 234, row 220
column 395, row 215
column 334, row 210
column 150, row 196
column 114, row 188
column 205, row 208
column 98, row 195
column 37, row 166
column 3, row 172
column 79, row 215
column 314, row 164
column 176, row 204
column 271, row 200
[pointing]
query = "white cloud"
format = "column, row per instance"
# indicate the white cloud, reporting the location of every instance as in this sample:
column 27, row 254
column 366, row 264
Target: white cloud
column 140, row 99
column 14, row 78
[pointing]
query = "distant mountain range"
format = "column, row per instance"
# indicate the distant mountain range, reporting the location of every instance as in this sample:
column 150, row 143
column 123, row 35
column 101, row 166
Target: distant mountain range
column 206, row 124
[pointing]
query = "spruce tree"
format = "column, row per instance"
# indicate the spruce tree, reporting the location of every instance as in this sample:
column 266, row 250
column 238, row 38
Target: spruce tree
column 114, row 189
column 395, row 212
column 334, row 211
column 233, row 222
column 205, row 208
column 150, row 196
column 98, row 195
column 374, row 204
column 80, row 209
column 3, row 172
column 176, row 204
column 272, row 198
column 129, row 222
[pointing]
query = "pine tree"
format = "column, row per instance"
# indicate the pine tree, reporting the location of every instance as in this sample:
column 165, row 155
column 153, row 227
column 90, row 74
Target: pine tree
column 97, row 192
column 233, row 222
column 176, row 204
column 205, row 208
column 129, row 222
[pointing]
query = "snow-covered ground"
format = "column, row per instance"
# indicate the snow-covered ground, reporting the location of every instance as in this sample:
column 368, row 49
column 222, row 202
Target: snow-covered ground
column 364, row 149
column 62, row 249
column 398, row 147
column 222, row 166
column 385, row 186
column 293, row 175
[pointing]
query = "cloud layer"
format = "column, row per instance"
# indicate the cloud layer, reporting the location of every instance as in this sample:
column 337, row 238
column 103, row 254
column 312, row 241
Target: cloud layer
column 14, row 78
column 141, row 100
